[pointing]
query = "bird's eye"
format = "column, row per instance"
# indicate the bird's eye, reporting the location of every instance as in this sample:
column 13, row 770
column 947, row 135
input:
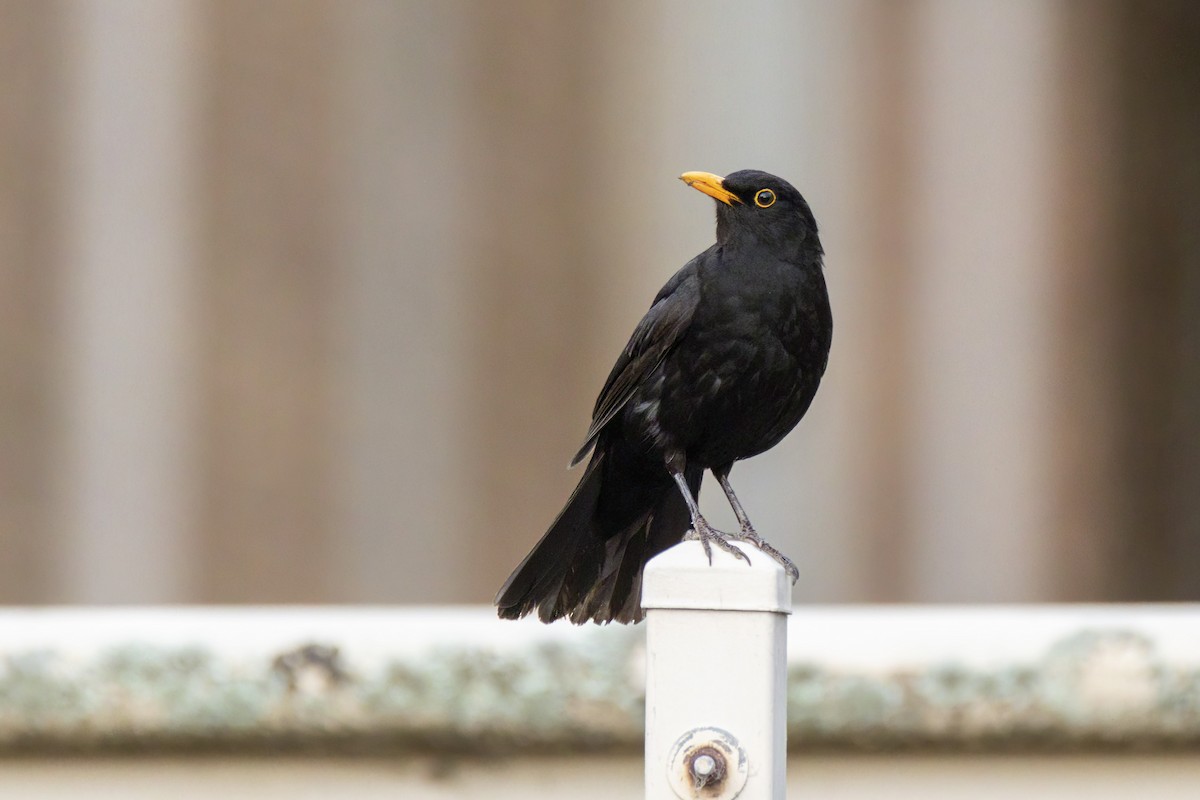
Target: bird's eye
column 765, row 198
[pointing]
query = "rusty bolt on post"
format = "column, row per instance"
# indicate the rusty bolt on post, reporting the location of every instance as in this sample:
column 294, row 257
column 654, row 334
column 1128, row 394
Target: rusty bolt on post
column 707, row 764
column 707, row 767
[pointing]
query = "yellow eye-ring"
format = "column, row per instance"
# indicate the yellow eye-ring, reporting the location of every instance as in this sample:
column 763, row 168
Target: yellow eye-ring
column 765, row 198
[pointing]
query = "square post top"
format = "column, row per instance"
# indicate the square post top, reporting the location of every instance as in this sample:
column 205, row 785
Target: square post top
column 682, row 578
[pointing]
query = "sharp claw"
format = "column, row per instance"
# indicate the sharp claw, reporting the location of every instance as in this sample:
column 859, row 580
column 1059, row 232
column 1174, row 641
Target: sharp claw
column 748, row 534
column 707, row 535
column 736, row 552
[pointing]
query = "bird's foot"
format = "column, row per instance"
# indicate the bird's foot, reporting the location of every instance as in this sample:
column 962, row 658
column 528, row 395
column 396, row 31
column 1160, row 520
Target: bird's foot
column 707, row 535
column 748, row 534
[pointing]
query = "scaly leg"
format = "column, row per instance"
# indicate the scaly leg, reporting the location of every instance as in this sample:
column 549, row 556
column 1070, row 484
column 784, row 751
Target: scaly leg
column 748, row 532
column 701, row 530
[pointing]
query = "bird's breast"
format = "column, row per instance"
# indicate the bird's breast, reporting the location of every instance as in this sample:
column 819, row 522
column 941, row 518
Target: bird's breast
column 741, row 376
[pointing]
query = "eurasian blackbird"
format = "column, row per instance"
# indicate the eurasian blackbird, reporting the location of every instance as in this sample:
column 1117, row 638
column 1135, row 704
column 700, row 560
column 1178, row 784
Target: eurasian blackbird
column 723, row 365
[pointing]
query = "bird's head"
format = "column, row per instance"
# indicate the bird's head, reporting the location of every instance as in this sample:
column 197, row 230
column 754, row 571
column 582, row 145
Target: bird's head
column 757, row 205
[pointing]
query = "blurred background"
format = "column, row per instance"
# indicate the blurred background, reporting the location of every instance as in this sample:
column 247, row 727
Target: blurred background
column 309, row 301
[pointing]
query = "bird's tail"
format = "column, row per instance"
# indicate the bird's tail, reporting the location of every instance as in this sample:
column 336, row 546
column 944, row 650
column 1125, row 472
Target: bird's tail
column 589, row 564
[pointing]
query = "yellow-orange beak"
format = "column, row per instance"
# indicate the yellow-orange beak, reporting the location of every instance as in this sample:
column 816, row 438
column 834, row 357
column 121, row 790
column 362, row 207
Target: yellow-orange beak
column 711, row 185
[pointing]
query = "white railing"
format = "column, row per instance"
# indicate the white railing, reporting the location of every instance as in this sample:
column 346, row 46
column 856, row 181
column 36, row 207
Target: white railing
column 393, row 682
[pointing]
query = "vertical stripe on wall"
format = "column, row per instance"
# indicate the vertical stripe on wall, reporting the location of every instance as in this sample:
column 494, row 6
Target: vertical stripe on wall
column 126, row 313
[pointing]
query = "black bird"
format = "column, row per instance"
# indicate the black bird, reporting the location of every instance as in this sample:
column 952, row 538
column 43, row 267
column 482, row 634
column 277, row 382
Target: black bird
column 723, row 365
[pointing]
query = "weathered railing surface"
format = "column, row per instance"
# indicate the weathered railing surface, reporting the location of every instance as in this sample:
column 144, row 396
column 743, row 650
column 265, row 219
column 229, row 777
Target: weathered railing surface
column 458, row 680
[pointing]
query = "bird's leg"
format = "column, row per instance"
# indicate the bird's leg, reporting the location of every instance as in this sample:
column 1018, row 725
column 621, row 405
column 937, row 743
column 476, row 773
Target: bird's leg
column 701, row 530
column 748, row 532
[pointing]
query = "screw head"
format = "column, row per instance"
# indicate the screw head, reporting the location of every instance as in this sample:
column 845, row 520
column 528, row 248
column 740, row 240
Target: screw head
column 703, row 765
column 706, row 766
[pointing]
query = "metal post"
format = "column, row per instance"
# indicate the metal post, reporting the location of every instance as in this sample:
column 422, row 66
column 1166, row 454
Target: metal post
column 716, row 670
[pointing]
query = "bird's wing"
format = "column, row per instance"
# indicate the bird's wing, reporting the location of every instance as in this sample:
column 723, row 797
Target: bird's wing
column 667, row 319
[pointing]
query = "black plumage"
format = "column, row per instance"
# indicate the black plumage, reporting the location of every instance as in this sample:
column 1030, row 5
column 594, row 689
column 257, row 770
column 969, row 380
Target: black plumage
column 721, row 368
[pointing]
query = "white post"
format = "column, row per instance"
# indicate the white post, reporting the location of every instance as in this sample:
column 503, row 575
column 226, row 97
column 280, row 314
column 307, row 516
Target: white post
column 716, row 675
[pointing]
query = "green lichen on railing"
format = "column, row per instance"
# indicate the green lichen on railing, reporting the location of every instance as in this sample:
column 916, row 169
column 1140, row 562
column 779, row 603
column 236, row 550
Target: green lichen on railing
column 135, row 696
column 472, row 687
column 1094, row 688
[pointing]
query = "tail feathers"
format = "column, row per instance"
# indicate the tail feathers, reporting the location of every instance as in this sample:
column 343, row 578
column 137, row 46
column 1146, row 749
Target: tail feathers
column 581, row 571
column 617, row 596
column 538, row 581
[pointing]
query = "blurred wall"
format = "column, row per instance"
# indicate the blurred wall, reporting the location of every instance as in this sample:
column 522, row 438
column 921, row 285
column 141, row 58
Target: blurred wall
column 308, row 301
